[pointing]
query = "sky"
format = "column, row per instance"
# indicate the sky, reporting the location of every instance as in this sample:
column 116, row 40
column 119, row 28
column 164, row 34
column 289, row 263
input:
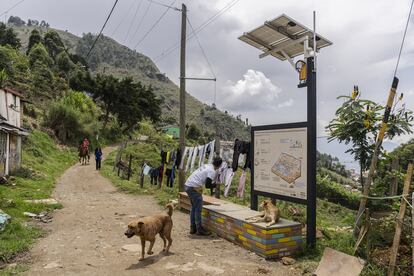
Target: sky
column 366, row 37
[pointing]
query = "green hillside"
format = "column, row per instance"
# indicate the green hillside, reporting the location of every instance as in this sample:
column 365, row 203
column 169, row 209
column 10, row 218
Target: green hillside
column 113, row 58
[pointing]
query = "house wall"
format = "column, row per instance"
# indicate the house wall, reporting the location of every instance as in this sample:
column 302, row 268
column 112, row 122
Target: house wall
column 14, row 152
column 3, row 155
column 10, row 108
column 3, row 104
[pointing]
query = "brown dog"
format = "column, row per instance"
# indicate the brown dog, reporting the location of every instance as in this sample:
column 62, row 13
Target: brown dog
column 148, row 227
column 270, row 214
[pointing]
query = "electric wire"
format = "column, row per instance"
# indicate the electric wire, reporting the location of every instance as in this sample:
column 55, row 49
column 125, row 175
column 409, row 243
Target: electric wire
column 103, row 27
column 403, row 39
column 123, row 18
column 154, row 25
column 202, row 49
column 15, row 5
column 132, row 21
column 198, row 29
column 164, row 5
column 142, row 19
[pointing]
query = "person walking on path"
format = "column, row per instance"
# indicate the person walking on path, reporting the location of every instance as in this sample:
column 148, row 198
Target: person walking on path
column 98, row 158
column 194, row 189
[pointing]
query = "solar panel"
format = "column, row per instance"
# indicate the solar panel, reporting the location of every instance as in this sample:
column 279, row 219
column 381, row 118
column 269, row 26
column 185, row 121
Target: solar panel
column 282, row 34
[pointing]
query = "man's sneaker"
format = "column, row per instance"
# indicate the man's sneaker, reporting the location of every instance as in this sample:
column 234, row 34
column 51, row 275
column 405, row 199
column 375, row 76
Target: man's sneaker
column 203, row 232
column 193, row 229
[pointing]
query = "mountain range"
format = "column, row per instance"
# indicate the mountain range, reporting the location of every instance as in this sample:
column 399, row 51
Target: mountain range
column 110, row 57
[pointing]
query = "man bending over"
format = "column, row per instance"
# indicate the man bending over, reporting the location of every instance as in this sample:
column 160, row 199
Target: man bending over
column 194, row 188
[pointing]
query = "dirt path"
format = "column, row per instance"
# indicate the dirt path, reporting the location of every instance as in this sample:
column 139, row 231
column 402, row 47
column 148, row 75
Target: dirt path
column 86, row 237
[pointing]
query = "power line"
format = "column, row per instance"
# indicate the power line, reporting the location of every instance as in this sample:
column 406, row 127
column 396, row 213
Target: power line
column 132, row 21
column 168, row 6
column 123, row 18
column 198, row 29
column 154, row 25
column 103, row 27
column 403, row 39
column 202, row 50
column 15, row 5
column 142, row 19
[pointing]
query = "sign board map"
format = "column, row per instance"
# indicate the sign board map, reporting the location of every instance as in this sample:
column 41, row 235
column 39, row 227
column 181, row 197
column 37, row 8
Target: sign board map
column 280, row 162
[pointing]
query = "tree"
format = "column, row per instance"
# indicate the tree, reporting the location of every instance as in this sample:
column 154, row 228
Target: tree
column 193, row 132
column 16, row 21
column 73, row 117
column 9, row 37
column 44, row 24
column 3, row 78
column 53, row 43
column 358, row 122
column 34, row 38
column 135, row 102
column 32, row 22
column 63, row 62
column 105, row 93
column 38, row 53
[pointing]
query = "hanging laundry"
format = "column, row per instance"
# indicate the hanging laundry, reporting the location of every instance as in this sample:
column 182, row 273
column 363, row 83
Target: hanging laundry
column 228, row 180
column 154, row 174
column 190, row 158
column 242, row 184
column 221, row 173
column 163, row 157
column 210, row 158
column 178, row 158
column 168, row 177
column 200, row 154
column 146, row 169
column 172, row 156
column 161, row 174
column 195, row 152
column 182, row 158
column 167, row 158
column 172, row 176
column 241, row 147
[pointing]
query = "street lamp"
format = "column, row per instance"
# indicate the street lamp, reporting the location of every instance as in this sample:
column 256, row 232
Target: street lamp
column 284, row 38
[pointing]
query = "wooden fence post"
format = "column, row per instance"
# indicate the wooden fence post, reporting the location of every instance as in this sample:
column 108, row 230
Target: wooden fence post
column 412, row 223
column 141, row 181
column 399, row 221
column 119, row 154
column 394, row 181
column 129, row 167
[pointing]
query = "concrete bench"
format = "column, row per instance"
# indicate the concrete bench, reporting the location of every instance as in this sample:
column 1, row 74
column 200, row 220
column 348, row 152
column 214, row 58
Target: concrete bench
column 228, row 220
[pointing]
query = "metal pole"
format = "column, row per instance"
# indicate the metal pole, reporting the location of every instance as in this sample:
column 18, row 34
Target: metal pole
column 314, row 38
column 311, row 174
column 181, row 173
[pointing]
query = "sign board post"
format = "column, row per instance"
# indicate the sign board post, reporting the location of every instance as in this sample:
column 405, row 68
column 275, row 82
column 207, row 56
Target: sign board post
column 312, row 125
column 284, row 155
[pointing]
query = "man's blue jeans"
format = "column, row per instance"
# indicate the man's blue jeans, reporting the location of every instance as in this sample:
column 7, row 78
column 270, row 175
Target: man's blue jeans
column 196, row 206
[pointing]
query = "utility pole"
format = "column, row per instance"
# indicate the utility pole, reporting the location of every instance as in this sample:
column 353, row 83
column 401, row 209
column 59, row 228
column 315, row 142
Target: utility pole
column 181, row 172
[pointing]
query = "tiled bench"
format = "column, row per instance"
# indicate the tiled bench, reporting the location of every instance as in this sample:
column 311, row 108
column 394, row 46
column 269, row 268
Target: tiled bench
column 228, row 221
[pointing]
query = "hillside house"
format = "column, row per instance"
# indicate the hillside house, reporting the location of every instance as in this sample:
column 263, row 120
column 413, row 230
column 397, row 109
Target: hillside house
column 11, row 132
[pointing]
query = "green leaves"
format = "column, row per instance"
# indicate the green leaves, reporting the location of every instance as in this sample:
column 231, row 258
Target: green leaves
column 9, row 37
column 129, row 101
column 358, row 122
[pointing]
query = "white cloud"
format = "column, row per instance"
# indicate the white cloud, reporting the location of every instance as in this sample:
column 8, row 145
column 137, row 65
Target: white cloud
column 251, row 92
column 286, row 103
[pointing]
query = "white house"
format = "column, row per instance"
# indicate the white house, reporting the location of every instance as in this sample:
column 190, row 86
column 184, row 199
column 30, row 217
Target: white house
column 11, row 114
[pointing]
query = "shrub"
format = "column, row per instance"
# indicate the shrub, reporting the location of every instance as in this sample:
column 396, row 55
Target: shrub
column 336, row 193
